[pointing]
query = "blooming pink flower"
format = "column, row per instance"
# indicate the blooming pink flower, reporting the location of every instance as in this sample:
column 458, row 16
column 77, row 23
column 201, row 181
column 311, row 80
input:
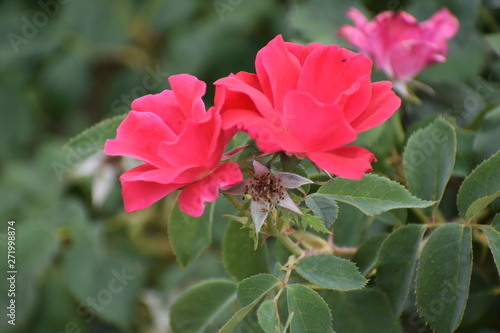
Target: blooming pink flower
column 400, row 45
column 309, row 101
column 181, row 145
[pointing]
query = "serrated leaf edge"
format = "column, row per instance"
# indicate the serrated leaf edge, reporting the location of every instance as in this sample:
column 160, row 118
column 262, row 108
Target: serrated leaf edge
column 342, row 259
column 468, row 177
column 430, row 203
column 422, row 129
column 67, row 145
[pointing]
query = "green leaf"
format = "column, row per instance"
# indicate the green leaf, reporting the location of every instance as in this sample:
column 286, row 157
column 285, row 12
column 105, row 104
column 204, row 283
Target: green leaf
column 317, row 20
column 203, row 307
column 189, row 235
column 494, row 41
column 268, row 318
column 314, row 222
column 371, row 137
column 328, row 271
column 487, row 138
column 394, row 218
column 465, row 156
column 310, row 312
column 36, row 246
column 480, row 188
column 350, row 226
column 56, row 314
column 372, row 194
column 240, row 259
column 496, row 223
column 249, row 293
column 481, row 300
column 396, row 263
column 110, row 289
column 493, row 236
column 471, row 50
column 254, row 287
column 429, row 158
column 92, row 139
column 443, row 276
column 323, row 207
column 366, row 255
column 362, row 311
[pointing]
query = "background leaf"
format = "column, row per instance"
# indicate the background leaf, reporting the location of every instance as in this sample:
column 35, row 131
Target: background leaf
column 318, row 20
column 203, row 307
column 36, row 245
column 429, row 158
column 240, row 258
column 366, row 255
column 443, row 276
column 487, row 139
column 396, row 262
column 480, row 188
column 493, row 235
column 328, row 271
column 92, row 139
column 362, row 311
column 464, row 162
column 371, row 194
column 350, row 227
column 189, row 235
column 109, row 288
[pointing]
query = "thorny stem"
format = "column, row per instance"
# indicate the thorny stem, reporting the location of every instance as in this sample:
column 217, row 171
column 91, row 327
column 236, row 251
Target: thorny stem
column 290, row 266
column 313, row 242
column 236, row 203
column 289, row 244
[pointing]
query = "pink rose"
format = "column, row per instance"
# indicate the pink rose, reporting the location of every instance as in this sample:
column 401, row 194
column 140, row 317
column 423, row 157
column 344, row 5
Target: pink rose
column 309, row 101
column 400, row 45
column 181, row 145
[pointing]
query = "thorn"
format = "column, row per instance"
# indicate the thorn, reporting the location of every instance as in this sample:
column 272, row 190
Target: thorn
column 330, row 241
column 264, row 239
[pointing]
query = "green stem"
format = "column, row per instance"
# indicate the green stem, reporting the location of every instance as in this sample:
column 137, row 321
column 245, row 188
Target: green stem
column 424, row 218
column 438, row 215
column 312, row 242
column 236, row 203
column 289, row 244
column 398, row 127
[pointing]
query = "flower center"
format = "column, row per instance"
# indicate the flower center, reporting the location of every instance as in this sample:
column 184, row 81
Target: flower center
column 265, row 188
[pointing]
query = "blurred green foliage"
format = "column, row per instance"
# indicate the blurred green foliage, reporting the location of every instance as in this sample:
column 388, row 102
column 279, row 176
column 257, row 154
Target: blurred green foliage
column 67, row 64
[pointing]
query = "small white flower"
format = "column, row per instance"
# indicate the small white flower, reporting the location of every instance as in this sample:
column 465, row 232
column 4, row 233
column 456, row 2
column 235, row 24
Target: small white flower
column 105, row 170
column 268, row 189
